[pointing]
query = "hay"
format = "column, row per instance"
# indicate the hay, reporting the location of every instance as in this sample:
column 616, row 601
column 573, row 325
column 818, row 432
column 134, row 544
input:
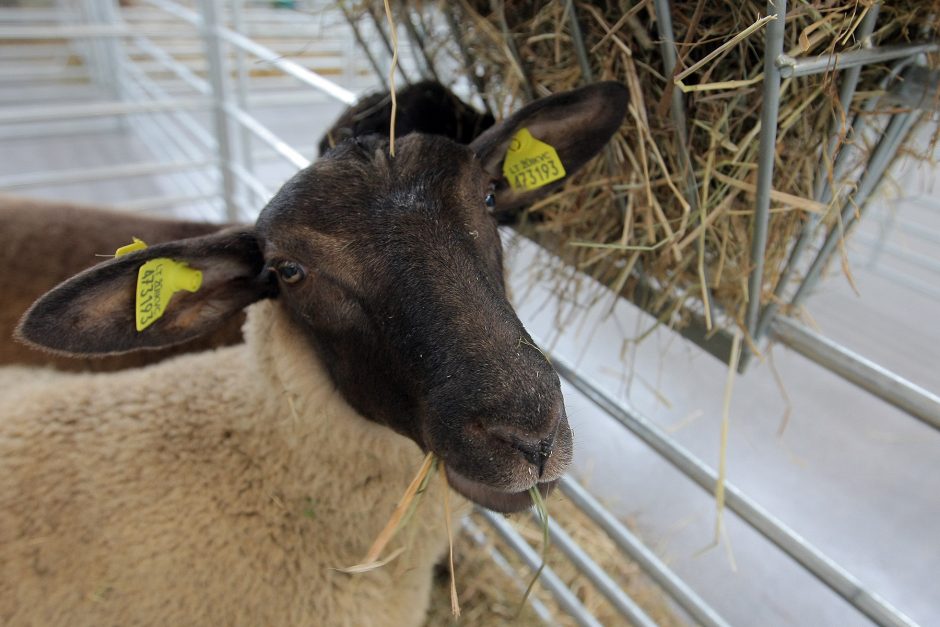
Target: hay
column 629, row 210
column 488, row 596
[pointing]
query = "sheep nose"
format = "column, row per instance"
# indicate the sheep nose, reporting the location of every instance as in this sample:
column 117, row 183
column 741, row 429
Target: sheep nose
column 534, row 451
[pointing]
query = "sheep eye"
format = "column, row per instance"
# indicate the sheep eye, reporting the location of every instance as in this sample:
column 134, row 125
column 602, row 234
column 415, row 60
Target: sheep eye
column 290, row 272
column 490, row 200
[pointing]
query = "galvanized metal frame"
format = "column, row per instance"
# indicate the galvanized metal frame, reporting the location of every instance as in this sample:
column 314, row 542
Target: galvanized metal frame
column 232, row 155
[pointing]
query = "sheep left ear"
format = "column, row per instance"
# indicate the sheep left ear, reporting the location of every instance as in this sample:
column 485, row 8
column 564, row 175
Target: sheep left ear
column 575, row 124
column 151, row 298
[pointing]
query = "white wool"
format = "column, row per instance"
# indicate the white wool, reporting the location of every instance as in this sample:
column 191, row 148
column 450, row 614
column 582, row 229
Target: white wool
column 221, row 488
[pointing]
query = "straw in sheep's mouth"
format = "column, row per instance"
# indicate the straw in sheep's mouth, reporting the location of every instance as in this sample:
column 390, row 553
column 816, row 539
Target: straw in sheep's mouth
column 493, row 498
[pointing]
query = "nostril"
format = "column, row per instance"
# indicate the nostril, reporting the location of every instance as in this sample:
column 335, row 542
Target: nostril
column 536, row 453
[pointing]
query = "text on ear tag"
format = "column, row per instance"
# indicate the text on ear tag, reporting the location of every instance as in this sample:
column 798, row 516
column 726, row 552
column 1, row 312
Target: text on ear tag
column 157, row 281
column 531, row 163
column 129, row 248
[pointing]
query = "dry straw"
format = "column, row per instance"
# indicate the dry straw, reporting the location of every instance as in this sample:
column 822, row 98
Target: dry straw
column 629, row 209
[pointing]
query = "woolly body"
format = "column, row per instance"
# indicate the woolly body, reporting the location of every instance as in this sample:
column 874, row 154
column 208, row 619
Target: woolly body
column 218, row 488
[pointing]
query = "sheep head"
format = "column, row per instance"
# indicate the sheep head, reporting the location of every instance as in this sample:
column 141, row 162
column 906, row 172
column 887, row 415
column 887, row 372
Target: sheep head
column 391, row 270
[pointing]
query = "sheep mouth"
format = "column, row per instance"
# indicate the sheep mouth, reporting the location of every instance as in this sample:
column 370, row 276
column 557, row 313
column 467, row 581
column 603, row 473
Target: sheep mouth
column 493, row 498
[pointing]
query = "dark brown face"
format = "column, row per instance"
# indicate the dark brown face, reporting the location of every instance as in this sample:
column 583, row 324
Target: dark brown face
column 397, row 282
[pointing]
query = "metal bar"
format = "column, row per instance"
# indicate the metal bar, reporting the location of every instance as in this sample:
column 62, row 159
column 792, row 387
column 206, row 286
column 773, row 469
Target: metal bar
column 596, row 575
column 804, row 66
column 264, row 53
column 469, row 66
column 55, row 113
column 846, row 94
column 880, row 160
column 548, row 579
column 766, row 151
column 186, row 139
column 822, row 191
column 865, row 373
column 416, row 41
column 476, row 534
column 265, row 134
column 88, row 175
column 677, row 589
column 79, row 31
column 166, row 60
column 289, row 67
column 241, row 94
column 377, row 22
column 498, row 7
column 143, row 205
column 812, row 559
column 677, row 111
column 260, row 190
column 362, row 44
column 217, row 78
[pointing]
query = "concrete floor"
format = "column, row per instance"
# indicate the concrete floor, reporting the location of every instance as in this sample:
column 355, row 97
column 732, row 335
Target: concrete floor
column 852, row 475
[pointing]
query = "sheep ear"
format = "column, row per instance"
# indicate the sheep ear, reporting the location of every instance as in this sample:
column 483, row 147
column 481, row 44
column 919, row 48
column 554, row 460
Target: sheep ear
column 575, row 124
column 150, row 298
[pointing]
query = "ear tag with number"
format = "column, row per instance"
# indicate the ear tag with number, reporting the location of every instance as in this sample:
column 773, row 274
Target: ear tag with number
column 530, row 163
column 129, row 248
column 157, row 281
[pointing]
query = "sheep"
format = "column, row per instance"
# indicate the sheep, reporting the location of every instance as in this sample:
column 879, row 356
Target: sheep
column 46, row 242
column 227, row 487
column 425, row 107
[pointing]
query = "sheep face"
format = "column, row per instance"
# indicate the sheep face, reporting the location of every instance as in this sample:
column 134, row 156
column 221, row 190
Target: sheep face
column 397, row 282
column 391, row 269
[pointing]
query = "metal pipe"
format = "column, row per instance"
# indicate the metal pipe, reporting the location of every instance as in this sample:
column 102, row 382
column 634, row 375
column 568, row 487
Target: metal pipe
column 476, row 534
column 377, row 22
column 677, row 589
column 498, row 7
column 548, row 579
column 854, row 208
column 79, row 31
column 54, row 113
column 596, row 575
column 88, row 175
column 469, row 65
column 766, row 150
column 362, row 44
column 241, row 92
column 677, row 111
column 822, row 191
column 143, row 205
column 218, row 74
column 264, row 53
column 166, row 60
column 416, row 41
column 790, row 67
column 265, row 134
column 812, row 559
column 185, row 139
column 866, row 374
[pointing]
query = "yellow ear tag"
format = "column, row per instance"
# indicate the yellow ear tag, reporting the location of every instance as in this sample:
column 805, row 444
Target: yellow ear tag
column 129, row 248
column 157, row 281
column 531, row 163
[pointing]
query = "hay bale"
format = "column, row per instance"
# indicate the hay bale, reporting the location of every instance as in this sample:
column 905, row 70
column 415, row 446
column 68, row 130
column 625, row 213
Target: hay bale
column 628, row 211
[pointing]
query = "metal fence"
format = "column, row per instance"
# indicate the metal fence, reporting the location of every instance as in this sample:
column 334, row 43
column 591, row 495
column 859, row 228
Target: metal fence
column 121, row 56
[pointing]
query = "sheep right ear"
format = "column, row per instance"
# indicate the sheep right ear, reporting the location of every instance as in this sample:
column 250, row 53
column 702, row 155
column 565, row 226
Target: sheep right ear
column 151, row 298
